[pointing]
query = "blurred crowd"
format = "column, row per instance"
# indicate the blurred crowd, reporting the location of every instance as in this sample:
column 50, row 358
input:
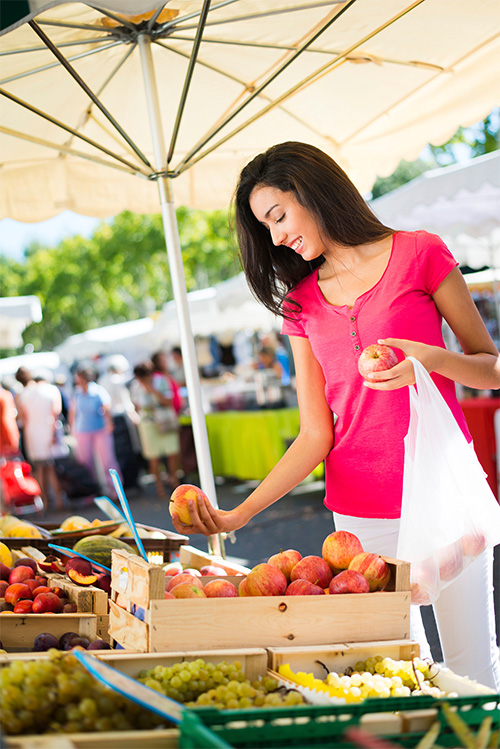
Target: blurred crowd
column 106, row 414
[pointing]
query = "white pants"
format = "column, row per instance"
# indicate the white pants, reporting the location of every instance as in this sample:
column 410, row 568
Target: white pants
column 464, row 611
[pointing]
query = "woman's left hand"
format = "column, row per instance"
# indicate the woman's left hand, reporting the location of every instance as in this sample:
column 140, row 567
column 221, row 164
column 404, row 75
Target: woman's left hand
column 402, row 374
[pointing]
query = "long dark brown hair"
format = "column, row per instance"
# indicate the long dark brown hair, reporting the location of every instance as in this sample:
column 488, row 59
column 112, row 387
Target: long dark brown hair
column 323, row 188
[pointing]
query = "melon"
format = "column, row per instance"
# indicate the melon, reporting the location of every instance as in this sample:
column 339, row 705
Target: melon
column 98, row 548
column 5, row 555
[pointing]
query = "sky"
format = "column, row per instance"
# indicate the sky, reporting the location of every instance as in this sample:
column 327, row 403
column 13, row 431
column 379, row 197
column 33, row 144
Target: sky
column 16, row 236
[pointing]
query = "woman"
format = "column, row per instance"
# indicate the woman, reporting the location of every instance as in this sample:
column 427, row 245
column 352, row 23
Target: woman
column 91, row 424
column 315, row 254
column 158, row 426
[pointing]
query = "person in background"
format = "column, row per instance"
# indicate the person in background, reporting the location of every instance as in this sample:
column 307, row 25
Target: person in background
column 39, row 406
column 266, row 359
column 158, row 425
column 91, row 424
column 9, row 431
column 60, row 383
column 125, row 418
column 160, row 364
column 177, row 366
column 315, row 254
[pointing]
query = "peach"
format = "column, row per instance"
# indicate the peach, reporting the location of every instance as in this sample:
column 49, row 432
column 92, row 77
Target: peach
column 3, row 587
column 5, row 571
column 31, row 583
column 27, row 562
column 104, row 582
column 180, row 498
column 69, row 608
column 314, row 569
column 80, row 571
column 46, row 603
column 20, row 574
column 220, row 589
column 40, row 589
column 285, row 561
column 16, row 592
column 265, row 580
column 188, row 590
column 41, row 580
column 23, row 607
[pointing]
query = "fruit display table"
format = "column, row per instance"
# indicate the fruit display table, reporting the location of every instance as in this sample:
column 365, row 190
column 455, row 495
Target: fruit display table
column 479, row 414
column 247, row 444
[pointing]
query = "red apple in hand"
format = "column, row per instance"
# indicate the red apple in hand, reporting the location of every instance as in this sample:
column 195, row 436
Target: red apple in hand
column 265, row 580
column 349, row 581
column 285, row 561
column 339, row 549
column 314, row 569
column 180, row 498
column 376, row 358
column 373, row 567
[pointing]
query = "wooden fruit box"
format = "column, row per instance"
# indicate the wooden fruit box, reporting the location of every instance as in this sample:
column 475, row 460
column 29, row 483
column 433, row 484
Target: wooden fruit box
column 189, row 556
column 141, row 618
column 254, row 662
column 88, row 598
column 18, row 631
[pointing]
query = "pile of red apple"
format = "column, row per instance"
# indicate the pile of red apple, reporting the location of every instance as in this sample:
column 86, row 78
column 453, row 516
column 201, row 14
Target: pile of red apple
column 343, row 567
column 186, row 582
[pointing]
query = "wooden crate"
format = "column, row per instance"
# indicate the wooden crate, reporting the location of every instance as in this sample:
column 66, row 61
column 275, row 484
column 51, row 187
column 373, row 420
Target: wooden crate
column 18, row 631
column 254, row 663
column 189, row 556
column 141, row 618
column 88, row 598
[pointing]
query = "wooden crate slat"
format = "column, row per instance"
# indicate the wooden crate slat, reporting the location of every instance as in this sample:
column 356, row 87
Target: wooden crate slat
column 18, row 631
column 135, row 579
column 166, row 738
column 128, row 630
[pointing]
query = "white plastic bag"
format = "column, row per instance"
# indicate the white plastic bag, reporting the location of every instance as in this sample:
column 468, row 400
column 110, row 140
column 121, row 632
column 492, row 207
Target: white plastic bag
column 449, row 514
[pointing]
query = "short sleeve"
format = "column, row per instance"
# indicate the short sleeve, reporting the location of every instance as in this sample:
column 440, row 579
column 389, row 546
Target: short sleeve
column 292, row 326
column 435, row 260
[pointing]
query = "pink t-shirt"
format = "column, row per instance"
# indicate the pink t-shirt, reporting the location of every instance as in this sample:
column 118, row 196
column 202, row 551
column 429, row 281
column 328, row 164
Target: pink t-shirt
column 364, row 470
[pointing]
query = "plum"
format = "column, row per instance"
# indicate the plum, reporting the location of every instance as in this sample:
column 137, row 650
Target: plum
column 5, row 606
column 46, row 641
column 99, row 645
column 5, row 571
column 27, row 562
column 66, row 637
column 69, row 608
column 76, row 642
column 104, row 582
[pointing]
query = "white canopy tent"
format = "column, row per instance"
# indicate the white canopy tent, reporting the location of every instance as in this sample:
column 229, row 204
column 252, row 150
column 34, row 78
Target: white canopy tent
column 368, row 82
column 16, row 313
column 461, row 203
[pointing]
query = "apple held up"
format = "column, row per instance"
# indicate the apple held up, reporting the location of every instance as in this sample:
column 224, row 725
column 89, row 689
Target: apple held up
column 339, row 549
column 180, row 498
column 374, row 568
column 376, row 358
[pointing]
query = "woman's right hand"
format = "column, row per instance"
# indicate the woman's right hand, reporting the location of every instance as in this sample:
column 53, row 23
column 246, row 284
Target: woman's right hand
column 209, row 521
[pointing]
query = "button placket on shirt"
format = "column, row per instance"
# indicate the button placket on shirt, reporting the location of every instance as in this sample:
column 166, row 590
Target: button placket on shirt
column 354, row 332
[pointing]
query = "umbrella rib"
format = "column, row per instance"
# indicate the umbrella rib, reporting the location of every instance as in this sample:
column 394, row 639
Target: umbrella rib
column 68, row 25
column 64, row 62
column 256, row 91
column 76, row 43
column 266, row 14
column 70, row 151
column 175, row 22
column 236, row 80
column 40, row 69
column 68, row 129
column 153, row 18
column 189, row 75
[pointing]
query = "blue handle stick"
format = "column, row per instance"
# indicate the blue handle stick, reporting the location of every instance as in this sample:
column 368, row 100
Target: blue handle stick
column 129, row 687
column 126, row 511
column 71, row 553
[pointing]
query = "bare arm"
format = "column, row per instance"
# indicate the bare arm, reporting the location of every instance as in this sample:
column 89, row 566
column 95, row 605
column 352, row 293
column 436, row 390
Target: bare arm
column 314, row 442
column 477, row 367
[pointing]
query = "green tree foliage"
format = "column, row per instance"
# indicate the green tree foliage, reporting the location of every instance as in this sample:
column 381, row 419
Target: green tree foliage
column 121, row 273
column 404, row 172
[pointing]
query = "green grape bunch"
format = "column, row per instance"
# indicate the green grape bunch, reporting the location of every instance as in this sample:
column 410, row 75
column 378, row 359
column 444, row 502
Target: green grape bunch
column 58, row 695
column 222, row 685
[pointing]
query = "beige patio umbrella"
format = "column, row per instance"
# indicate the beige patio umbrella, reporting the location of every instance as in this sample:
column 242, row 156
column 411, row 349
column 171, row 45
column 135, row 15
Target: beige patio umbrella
column 101, row 112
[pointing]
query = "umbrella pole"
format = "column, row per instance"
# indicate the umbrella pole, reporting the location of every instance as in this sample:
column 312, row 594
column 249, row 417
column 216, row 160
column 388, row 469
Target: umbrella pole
column 174, row 254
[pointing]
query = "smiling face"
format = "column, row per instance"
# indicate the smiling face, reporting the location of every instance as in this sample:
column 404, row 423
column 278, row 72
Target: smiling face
column 289, row 222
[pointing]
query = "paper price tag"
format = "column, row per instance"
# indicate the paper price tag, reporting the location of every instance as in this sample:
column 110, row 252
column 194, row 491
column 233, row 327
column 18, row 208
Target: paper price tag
column 123, row 578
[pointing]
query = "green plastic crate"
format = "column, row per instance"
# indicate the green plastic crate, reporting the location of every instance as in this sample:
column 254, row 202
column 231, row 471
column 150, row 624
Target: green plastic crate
column 309, row 726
